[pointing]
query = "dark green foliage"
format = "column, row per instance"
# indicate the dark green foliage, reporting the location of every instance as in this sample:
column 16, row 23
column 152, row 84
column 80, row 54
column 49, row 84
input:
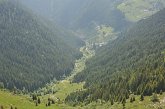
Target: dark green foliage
column 39, row 101
column 123, row 101
column 112, row 102
column 132, row 98
column 154, row 98
column 34, row 97
column 49, row 103
column 32, row 53
column 123, row 105
column 80, row 96
column 160, row 92
column 36, row 104
column 133, row 63
column 53, row 102
column 141, row 97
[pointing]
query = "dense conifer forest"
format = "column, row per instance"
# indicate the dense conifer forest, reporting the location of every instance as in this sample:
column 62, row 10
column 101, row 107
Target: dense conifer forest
column 31, row 53
column 82, row 54
column 132, row 64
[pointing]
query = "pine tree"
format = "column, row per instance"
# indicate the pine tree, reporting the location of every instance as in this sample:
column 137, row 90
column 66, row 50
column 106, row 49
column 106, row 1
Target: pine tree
column 124, row 101
column 112, row 102
column 131, row 100
column 36, row 104
column 34, row 97
column 39, row 101
column 161, row 92
column 141, row 97
column 53, row 102
column 49, row 103
column 123, row 105
column 134, row 98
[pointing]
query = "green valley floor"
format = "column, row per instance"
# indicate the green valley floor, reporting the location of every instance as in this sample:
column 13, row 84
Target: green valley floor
column 65, row 87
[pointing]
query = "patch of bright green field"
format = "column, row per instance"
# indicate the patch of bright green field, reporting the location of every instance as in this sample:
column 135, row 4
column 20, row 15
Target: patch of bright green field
column 104, row 34
column 136, row 10
column 65, row 88
column 7, row 99
column 23, row 102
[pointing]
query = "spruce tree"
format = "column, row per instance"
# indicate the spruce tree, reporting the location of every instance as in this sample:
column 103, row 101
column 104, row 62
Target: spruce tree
column 131, row 100
column 112, row 102
column 36, row 103
column 34, row 97
column 49, row 103
column 39, row 101
column 161, row 92
column 141, row 97
column 53, row 102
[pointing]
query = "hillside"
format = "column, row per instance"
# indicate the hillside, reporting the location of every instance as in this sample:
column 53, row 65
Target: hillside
column 132, row 64
column 135, row 10
column 32, row 53
column 82, row 54
column 7, row 100
column 81, row 16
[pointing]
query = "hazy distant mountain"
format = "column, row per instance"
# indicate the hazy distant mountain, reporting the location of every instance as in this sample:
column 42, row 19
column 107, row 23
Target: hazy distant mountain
column 81, row 15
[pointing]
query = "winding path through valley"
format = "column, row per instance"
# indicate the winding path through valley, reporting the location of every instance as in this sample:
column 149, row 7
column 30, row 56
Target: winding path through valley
column 65, row 87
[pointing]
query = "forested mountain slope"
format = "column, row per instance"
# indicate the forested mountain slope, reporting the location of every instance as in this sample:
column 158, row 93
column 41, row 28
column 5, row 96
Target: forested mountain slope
column 133, row 63
column 31, row 52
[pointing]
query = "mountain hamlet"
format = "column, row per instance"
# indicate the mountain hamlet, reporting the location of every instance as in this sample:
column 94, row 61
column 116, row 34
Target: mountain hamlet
column 82, row 54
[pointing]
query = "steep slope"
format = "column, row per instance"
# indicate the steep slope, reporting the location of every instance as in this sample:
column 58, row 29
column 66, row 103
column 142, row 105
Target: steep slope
column 83, row 16
column 31, row 53
column 68, row 36
column 133, row 63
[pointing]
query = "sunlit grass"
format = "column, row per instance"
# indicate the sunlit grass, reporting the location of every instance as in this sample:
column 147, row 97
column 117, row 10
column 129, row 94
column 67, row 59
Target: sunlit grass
column 136, row 10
